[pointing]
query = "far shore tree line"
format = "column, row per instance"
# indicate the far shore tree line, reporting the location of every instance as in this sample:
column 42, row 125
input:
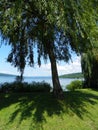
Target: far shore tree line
column 54, row 28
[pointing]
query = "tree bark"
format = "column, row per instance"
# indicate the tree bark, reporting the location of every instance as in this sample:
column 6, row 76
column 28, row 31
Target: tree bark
column 57, row 90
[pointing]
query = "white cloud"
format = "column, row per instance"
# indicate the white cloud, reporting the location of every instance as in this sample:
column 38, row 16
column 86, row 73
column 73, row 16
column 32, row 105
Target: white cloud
column 8, row 69
column 45, row 69
column 72, row 67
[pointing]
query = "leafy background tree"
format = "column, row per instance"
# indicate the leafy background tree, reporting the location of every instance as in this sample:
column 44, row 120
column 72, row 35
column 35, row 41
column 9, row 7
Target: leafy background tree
column 89, row 63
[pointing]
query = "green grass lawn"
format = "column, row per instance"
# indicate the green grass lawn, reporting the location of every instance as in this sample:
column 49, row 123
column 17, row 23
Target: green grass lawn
column 40, row 111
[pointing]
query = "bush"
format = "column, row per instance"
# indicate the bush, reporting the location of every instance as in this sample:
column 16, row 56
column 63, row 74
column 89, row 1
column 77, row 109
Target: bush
column 77, row 84
column 5, row 87
column 25, row 87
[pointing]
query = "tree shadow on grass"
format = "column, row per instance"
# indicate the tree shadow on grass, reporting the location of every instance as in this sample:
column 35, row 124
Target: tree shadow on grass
column 77, row 102
column 35, row 106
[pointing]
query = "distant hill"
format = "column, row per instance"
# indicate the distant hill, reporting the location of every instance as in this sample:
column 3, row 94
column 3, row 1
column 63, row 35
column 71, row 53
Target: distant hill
column 72, row 75
column 10, row 75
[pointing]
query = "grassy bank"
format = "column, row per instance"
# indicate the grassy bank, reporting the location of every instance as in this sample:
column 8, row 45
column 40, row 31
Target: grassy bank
column 40, row 111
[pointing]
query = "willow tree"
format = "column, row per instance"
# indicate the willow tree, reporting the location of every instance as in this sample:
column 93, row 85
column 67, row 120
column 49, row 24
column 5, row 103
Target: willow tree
column 89, row 63
column 89, row 59
column 51, row 26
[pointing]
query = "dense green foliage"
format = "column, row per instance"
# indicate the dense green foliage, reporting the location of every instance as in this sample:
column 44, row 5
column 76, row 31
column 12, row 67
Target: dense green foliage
column 31, row 22
column 74, row 85
column 89, row 62
column 40, row 111
column 25, row 87
column 73, row 75
column 65, row 22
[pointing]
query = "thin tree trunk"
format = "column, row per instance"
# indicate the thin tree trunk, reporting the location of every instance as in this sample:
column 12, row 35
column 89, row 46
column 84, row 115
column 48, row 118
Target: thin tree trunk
column 57, row 90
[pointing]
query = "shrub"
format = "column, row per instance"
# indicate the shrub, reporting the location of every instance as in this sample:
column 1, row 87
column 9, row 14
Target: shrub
column 77, row 84
column 5, row 87
column 25, row 87
column 40, row 87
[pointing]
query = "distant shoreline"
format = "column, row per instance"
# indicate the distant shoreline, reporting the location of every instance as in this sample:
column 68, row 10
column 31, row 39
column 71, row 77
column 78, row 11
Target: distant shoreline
column 72, row 75
column 10, row 75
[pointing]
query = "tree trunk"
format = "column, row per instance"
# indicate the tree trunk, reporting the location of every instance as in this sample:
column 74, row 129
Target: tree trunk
column 57, row 90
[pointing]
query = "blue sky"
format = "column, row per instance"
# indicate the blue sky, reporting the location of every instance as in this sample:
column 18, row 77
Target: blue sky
column 44, row 70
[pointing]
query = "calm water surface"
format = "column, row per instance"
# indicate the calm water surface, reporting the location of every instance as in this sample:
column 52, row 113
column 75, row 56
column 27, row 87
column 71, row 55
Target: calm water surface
column 63, row 81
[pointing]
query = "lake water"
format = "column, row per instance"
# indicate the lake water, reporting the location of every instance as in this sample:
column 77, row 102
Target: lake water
column 63, row 81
